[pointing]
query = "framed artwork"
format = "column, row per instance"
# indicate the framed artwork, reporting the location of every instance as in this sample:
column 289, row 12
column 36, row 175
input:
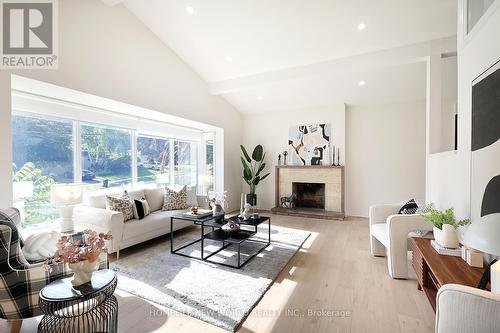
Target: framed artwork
column 485, row 144
column 309, row 144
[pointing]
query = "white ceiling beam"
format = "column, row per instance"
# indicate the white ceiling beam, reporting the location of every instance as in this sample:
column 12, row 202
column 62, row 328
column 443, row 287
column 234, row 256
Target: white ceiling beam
column 112, row 3
column 390, row 57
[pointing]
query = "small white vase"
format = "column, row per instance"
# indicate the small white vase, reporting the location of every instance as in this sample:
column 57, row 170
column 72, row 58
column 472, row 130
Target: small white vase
column 447, row 237
column 83, row 271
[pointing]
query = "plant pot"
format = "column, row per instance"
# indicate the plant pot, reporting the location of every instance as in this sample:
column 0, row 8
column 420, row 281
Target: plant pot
column 83, row 271
column 446, row 237
column 251, row 199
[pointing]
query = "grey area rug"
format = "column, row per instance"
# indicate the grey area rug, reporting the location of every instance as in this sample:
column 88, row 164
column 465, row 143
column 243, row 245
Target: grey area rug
column 219, row 295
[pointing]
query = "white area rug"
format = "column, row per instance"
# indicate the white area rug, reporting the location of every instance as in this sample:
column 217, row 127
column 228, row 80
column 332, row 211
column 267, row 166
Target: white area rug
column 214, row 293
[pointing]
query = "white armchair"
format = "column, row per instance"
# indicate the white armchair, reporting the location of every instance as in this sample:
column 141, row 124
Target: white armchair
column 462, row 309
column 389, row 234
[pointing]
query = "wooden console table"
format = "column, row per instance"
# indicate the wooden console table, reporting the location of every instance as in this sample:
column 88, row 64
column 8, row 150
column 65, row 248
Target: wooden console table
column 435, row 270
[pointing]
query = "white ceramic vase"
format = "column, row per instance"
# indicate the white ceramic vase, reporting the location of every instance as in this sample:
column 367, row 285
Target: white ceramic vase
column 447, row 237
column 83, row 271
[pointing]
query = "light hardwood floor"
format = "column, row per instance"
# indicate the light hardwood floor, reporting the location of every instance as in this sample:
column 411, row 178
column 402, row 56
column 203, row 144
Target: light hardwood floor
column 334, row 271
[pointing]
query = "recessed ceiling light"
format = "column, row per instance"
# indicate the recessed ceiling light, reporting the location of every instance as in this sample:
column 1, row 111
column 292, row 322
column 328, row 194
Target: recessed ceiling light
column 361, row 26
column 228, row 58
column 190, row 10
column 260, row 97
column 361, row 83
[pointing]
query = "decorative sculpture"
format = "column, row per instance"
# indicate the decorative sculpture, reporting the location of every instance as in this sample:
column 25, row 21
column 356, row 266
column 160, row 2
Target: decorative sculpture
column 245, row 215
column 285, row 153
column 279, row 159
column 288, row 202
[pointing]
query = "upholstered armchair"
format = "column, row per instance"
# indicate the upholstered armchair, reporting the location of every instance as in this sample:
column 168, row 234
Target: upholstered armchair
column 20, row 281
column 462, row 309
column 389, row 233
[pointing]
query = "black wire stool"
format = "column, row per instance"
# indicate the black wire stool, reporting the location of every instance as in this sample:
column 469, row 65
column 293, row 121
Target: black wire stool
column 88, row 308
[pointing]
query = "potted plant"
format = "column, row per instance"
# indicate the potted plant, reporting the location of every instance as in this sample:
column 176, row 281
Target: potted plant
column 444, row 226
column 81, row 257
column 252, row 170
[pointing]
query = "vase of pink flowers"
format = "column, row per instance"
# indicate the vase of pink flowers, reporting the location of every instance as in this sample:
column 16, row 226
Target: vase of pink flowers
column 80, row 256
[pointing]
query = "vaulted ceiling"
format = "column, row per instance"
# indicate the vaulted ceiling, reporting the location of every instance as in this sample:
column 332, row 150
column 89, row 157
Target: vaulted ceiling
column 265, row 55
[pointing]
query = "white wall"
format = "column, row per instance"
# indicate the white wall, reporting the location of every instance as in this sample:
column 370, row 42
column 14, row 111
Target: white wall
column 271, row 131
column 385, row 155
column 449, row 173
column 383, row 147
column 107, row 52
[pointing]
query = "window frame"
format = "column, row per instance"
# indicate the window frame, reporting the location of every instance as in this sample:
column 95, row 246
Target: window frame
column 134, row 136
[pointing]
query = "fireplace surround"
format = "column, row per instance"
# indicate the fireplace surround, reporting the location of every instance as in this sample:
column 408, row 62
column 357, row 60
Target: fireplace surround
column 319, row 191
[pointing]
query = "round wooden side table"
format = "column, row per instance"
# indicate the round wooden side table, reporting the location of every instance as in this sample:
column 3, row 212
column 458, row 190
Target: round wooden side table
column 91, row 307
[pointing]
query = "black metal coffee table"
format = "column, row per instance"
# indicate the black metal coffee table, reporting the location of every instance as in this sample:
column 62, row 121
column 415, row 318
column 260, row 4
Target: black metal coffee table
column 248, row 228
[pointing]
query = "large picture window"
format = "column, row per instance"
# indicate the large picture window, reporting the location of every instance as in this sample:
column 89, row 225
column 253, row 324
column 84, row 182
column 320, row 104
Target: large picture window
column 106, row 156
column 48, row 150
column 153, row 160
column 185, row 157
column 42, row 156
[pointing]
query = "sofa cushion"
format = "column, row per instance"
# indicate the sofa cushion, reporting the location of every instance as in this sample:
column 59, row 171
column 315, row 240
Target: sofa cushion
column 121, row 204
column 97, row 199
column 153, row 221
column 191, row 200
column 155, row 197
column 175, row 199
column 136, row 194
column 379, row 231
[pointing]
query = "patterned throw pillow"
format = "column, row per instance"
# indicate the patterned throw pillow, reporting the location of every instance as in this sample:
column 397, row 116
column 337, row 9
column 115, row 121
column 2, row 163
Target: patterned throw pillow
column 122, row 204
column 175, row 199
column 409, row 208
column 141, row 208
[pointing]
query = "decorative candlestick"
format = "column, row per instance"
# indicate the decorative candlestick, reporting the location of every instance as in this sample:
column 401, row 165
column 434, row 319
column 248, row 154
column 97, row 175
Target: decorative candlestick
column 333, row 155
column 284, row 157
column 338, row 156
column 279, row 159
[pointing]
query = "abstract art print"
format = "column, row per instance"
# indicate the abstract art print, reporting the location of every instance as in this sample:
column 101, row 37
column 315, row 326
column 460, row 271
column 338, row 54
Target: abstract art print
column 485, row 144
column 309, row 144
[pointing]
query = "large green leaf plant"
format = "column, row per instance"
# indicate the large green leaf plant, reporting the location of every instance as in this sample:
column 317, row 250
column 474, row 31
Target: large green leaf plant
column 253, row 167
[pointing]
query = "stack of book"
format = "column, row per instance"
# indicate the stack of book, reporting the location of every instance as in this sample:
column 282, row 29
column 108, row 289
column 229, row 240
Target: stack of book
column 445, row 250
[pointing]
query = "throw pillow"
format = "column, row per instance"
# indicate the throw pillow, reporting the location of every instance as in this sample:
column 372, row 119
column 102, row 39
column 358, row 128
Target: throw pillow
column 175, row 199
column 122, row 204
column 141, row 208
column 409, row 208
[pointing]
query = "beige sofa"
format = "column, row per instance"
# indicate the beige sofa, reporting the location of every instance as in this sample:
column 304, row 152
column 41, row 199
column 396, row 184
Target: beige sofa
column 94, row 215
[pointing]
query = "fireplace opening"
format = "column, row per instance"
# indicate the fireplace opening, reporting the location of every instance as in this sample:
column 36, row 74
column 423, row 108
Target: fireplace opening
column 309, row 195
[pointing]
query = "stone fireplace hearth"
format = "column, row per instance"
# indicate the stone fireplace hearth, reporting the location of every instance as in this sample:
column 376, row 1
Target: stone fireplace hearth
column 319, row 191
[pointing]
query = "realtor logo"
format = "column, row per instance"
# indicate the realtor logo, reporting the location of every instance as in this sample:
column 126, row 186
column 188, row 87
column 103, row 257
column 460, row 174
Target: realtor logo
column 29, row 34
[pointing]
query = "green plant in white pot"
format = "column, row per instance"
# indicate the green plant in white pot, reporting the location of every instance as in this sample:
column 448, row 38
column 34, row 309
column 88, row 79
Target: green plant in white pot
column 445, row 225
column 252, row 171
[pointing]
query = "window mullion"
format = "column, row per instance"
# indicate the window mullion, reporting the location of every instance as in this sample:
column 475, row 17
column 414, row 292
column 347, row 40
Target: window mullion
column 77, row 152
column 133, row 154
column 172, row 158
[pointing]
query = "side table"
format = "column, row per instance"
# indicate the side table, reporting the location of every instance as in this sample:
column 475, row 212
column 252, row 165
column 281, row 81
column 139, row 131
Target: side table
column 91, row 307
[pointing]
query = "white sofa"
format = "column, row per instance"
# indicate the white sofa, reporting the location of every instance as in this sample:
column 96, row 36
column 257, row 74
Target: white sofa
column 462, row 309
column 94, row 215
column 389, row 233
